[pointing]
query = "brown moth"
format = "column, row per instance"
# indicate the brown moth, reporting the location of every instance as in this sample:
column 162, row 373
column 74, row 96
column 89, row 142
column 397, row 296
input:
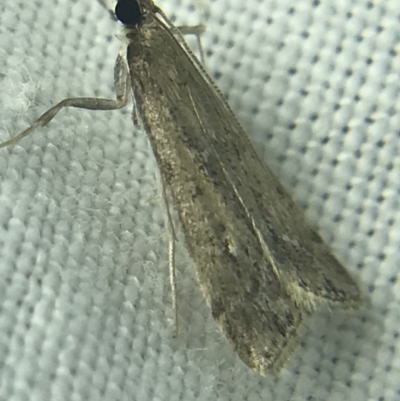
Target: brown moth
column 261, row 266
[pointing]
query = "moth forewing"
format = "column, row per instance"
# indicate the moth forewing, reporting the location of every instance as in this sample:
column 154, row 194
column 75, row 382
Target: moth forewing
column 259, row 263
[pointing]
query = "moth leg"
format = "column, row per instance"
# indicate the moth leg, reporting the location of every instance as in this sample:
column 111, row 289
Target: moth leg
column 171, row 256
column 195, row 30
column 122, row 88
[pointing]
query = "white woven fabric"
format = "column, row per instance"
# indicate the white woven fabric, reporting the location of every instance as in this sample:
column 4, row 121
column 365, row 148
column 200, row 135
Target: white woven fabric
column 85, row 300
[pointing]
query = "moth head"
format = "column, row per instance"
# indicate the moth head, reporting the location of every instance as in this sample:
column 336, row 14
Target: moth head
column 132, row 12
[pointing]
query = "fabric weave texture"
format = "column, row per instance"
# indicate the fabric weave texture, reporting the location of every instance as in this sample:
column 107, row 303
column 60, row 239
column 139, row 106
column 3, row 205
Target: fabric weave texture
column 86, row 310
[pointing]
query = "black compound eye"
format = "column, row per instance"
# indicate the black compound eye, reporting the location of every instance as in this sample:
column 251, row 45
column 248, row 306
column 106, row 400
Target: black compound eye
column 128, row 12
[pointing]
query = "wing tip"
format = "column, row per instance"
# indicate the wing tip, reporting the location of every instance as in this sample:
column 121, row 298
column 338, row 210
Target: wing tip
column 350, row 297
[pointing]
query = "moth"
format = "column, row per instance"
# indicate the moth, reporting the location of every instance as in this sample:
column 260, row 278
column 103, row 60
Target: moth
column 261, row 266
